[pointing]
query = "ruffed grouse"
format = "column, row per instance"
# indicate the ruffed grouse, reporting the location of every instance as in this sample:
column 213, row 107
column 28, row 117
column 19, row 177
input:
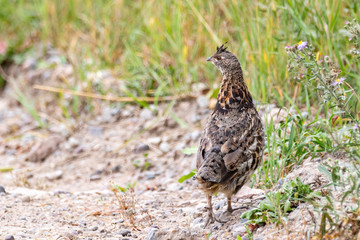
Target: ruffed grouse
column 232, row 143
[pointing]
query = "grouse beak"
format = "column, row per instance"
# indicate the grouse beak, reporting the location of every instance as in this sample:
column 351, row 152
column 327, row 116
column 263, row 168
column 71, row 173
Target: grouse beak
column 209, row 59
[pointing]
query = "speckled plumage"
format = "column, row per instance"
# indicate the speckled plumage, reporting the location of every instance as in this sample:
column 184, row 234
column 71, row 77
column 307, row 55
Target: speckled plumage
column 232, row 143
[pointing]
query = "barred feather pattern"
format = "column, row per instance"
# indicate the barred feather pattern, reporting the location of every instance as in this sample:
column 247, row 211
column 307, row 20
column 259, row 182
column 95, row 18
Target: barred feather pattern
column 232, row 143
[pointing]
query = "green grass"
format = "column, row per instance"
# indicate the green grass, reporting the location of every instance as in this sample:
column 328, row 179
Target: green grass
column 164, row 44
column 276, row 205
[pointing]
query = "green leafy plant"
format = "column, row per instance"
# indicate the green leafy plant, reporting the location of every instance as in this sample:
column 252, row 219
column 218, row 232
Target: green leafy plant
column 339, row 215
column 187, row 176
column 332, row 89
column 143, row 165
column 276, row 205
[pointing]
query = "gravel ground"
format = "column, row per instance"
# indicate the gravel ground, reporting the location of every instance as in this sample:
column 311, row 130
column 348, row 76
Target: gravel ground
column 62, row 178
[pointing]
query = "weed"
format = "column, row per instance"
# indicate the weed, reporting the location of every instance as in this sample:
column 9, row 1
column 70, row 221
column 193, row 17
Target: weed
column 21, row 179
column 29, row 106
column 127, row 202
column 142, row 165
column 276, row 205
column 187, row 176
column 288, row 145
column 339, row 209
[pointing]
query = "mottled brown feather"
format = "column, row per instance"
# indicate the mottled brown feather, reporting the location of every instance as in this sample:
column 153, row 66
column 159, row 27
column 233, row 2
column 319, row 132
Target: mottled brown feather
column 232, row 143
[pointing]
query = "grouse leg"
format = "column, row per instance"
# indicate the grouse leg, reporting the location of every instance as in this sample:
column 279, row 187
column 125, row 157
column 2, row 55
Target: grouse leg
column 211, row 215
column 229, row 208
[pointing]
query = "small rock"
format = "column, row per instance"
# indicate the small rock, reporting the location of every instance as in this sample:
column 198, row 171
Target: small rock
column 126, row 113
column 146, row 114
column 195, row 118
column 66, row 236
column 154, row 140
column 149, row 175
column 214, row 228
column 2, row 189
column 42, row 149
column 29, row 63
column 195, row 195
column 119, row 221
column 95, row 177
column 26, row 199
column 73, row 142
column 78, row 150
column 116, row 169
column 58, row 192
column 202, row 101
column 96, row 131
column 152, row 234
column 247, row 192
column 23, row 218
column 9, row 237
column 238, row 229
column 124, row 232
column 94, row 228
column 243, row 220
column 195, row 135
column 142, row 147
column 164, row 147
column 54, row 175
column 219, row 204
column 83, row 223
column 197, row 224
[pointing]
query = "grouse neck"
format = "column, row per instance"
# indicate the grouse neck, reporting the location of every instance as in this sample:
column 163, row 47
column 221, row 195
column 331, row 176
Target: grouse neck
column 234, row 92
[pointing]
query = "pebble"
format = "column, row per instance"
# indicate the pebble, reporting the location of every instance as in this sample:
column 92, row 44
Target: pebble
column 142, row 147
column 195, row 118
column 146, row 114
column 9, row 237
column 195, row 195
column 238, row 229
column 83, row 223
column 73, row 142
column 154, row 140
column 95, row 177
column 66, row 236
column 94, row 228
column 197, row 224
column 124, row 232
column 54, row 175
column 26, row 199
column 202, row 101
column 219, row 204
column 164, row 147
column 149, row 175
column 195, row 135
column 96, row 131
column 116, row 169
column 2, row 189
column 152, row 234
column 119, row 221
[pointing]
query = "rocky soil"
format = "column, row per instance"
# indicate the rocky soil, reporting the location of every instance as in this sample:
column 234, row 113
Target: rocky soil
column 57, row 182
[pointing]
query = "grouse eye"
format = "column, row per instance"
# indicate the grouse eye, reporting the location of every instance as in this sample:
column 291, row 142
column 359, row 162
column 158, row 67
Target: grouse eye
column 218, row 58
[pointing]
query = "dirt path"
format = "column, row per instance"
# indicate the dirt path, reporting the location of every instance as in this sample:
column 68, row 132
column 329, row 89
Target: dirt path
column 62, row 178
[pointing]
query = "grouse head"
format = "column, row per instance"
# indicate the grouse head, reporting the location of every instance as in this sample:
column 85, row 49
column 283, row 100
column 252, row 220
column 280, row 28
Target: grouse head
column 224, row 60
